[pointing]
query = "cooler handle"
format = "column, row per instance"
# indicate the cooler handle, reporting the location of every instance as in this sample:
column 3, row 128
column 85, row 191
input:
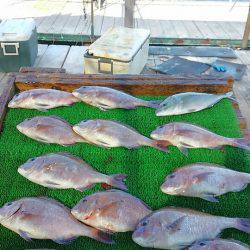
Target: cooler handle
column 105, row 61
column 16, row 53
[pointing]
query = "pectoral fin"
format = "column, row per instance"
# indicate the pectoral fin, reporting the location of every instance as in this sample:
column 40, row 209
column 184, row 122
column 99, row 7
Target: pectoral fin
column 52, row 184
column 24, row 235
column 175, row 226
column 103, row 143
column 201, row 177
column 110, row 207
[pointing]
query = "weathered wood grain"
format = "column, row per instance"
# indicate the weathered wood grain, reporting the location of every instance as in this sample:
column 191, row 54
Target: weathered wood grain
column 135, row 84
column 6, row 92
column 41, row 70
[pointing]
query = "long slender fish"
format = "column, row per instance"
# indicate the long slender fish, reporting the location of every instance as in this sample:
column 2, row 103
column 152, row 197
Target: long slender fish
column 112, row 211
column 186, row 135
column 42, row 99
column 219, row 244
column 49, row 129
column 189, row 102
column 107, row 98
column 177, row 228
column 44, row 218
column 63, row 170
column 109, row 134
column 204, row 180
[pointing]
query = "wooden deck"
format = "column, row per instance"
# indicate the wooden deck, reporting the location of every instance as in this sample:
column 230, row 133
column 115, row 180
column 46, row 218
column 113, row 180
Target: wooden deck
column 208, row 23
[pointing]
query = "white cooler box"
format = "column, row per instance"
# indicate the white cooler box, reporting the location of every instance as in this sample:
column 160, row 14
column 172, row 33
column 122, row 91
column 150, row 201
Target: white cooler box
column 118, row 51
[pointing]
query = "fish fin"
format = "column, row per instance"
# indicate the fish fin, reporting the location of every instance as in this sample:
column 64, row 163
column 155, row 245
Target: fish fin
column 103, row 143
column 81, row 189
column 175, row 226
column 64, row 241
column 183, row 150
column 217, row 147
column 243, row 143
column 243, row 224
column 101, row 236
column 161, row 145
column 111, row 206
column 209, row 197
column 241, row 188
column 24, row 235
column 154, row 104
column 42, row 109
column 38, row 138
column 52, row 184
column 106, row 186
column 117, row 180
column 201, row 177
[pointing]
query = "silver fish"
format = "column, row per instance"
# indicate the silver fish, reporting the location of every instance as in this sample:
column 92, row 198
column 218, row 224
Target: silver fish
column 42, row 99
column 219, row 244
column 49, row 129
column 177, row 228
column 204, row 180
column 44, row 218
column 112, row 211
column 107, row 98
column 63, row 170
column 189, row 102
column 109, row 134
column 186, row 135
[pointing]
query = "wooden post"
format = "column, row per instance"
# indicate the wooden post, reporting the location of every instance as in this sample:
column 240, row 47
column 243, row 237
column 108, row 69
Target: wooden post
column 244, row 43
column 92, row 19
column 129, row 13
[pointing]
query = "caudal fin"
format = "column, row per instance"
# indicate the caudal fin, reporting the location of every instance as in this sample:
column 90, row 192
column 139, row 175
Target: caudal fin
column 161, row 145
column 101, row 236
column 117, row 180
column 243, row 143
column 154, row 104
column 243, row 225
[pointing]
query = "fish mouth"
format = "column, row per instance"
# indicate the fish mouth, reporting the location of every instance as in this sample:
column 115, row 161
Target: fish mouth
column 11, row 104
column 170, row 190
column 144, row 242
column 154, row 135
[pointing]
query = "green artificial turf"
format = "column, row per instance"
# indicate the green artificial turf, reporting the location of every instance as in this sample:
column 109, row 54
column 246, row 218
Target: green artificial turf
column 146, row 167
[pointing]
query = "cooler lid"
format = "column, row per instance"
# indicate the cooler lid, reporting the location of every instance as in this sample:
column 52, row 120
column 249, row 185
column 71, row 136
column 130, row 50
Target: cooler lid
column 119, row 43
column 16, row 29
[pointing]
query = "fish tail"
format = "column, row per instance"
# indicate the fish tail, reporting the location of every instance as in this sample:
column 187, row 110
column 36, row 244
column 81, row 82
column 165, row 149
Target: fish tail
column 101, row 236
column 243, row 224
column 161, row 145
column 154, row 104
column 230, row 95
column 117, row 180
column 243, row 143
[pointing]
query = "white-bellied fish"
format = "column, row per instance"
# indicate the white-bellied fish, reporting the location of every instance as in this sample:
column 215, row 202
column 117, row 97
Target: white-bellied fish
column 107, row 98
column 204, row 180
column 109, row 134
column 177, row 228
column 42, row 99
column 186, row 135
column 189, row 102
column 49, row 129
column 111, row 211
column 45, row 218
column 219, row 244
column 63, row 170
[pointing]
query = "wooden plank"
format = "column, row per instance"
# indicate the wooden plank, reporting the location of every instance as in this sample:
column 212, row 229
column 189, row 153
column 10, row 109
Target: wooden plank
column 217, row 30
column 239, row 26
column 41, row 50
column 180, row 29
column 54, row 56
column 244, row 56
column 74, row 62
column 41, row 70
column 83, row 26
column 134, row 84
column 47, row 23
column 59, row 23
column 230, row 30
column 70, row 25
column 205, row 29
column 246, row 35
column 6, row 92
column 129, row 6
column 155, row 28
column 168, row 29
column 108, row 22
column 192, row 30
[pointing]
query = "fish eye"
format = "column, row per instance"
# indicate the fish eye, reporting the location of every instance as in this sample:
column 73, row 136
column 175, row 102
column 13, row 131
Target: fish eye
column 202, row 244
column 16, row 95
column 144, row 223
column 9, row 203
column 171, row 176
column 84, row 200
column 32, row 159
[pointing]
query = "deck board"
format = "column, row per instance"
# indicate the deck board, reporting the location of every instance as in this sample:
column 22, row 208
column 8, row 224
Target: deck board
column 41, row 50
column 54, row 56
column 74, row 62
